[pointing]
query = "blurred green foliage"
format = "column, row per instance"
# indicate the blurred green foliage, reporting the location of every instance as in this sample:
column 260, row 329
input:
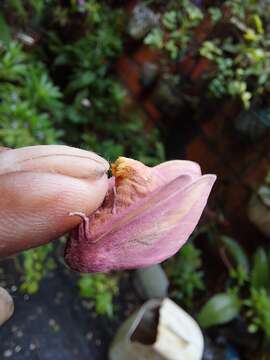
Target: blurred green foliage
column 101, row 288
column 237, row 49
column 247, row 292
column 186, row 275
column 259, row 312
column 220, row 309
column 176, row 28
column 28, row 99
column 58, row 85
column 36, row 264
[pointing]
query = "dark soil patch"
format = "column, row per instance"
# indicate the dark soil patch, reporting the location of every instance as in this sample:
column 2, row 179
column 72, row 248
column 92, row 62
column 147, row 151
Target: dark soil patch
column 56, row 324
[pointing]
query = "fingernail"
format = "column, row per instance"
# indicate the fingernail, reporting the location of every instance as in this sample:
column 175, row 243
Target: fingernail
column 54, row 159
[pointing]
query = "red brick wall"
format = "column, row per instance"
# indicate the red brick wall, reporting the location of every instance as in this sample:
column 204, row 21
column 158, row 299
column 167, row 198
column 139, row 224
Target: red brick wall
column 239, row 167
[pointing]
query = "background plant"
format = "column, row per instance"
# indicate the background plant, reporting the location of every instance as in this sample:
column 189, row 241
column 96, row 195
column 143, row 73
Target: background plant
column 241, row 55
column 99, row 288
column 238, row 51
column 28, row 100
column 36, row 264
column 175, row 31
column 186, row 275
column 247, row 292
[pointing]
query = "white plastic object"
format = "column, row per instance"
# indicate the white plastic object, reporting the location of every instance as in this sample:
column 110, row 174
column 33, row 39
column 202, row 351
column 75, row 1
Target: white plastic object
column 159, row 330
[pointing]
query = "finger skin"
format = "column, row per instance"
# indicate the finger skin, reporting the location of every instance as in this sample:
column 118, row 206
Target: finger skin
column 35, row 205
column 6, row 306
column 58, row 159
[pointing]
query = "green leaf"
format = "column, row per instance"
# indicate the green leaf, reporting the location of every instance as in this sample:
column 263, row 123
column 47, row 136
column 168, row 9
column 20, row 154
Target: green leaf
column 5, row 35
column 260, row 274
column 104, row 305
column 210, row 50
column 170, row 20
column 258, row 23
column 259, row 312
column 100, row 288
column 215, row 13
column 236, row 252
column 155, row 38
column 220, row 309
column 19, row 8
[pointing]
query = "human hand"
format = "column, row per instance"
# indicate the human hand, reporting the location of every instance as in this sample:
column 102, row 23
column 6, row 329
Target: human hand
column 39, row 187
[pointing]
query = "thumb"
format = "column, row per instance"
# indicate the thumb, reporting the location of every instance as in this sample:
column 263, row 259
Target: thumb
column 40, row 186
